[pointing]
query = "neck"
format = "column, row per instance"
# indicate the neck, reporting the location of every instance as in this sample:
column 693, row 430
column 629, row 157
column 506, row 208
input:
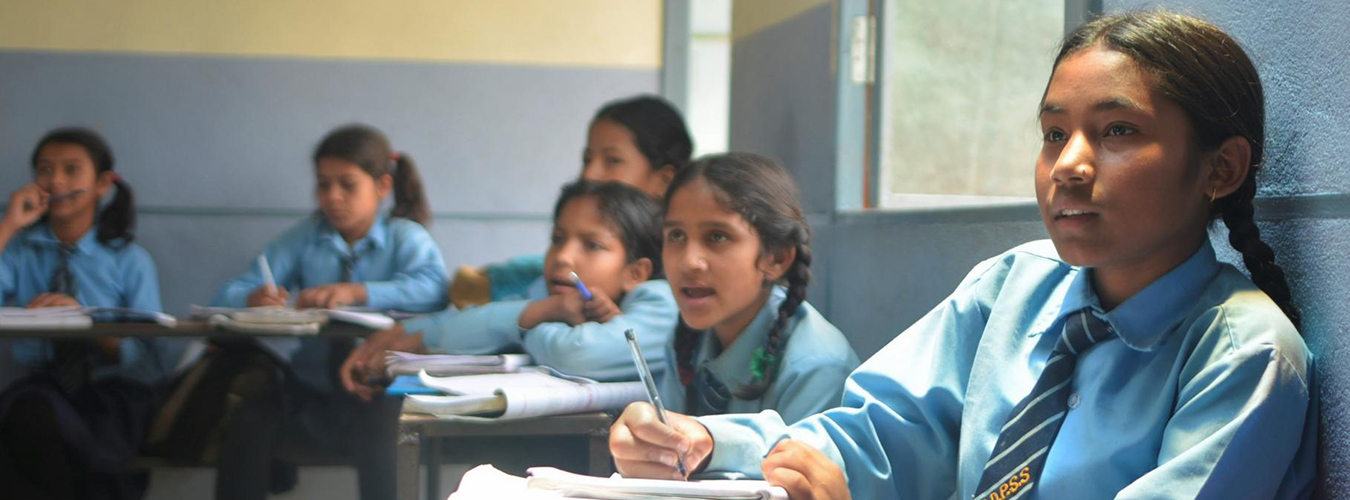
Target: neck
column 1116, row 284
column 71, row 230
column 353, row 235
column 731, row 329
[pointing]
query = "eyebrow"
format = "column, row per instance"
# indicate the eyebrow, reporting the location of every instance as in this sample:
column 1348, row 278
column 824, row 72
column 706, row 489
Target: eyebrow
column 1115, row 103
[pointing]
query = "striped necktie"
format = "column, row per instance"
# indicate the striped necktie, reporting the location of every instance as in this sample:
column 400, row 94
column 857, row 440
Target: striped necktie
column 72, row 358
column 1019, row 454
column 63, row 281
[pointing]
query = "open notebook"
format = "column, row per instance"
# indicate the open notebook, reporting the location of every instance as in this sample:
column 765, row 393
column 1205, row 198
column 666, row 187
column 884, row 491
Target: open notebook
column 76, row 317
column 288, row 321
column 487, row 483
column 531, row 392
column 406, row 363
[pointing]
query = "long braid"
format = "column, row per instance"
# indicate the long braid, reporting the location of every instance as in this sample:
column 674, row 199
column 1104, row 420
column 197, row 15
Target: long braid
column 1239, row 215
column 686, row 341
column 798, row 276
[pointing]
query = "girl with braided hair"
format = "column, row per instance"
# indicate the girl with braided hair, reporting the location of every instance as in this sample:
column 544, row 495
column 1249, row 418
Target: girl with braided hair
column 737, row 253
column 1120, row 359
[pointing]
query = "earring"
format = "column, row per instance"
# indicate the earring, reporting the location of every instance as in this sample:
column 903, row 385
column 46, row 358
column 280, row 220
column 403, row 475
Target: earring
column 1213, row 195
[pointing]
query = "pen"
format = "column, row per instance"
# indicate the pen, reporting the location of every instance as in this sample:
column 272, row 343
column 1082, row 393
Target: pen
column 649, row 383
column 581, row 287
column 267, row 274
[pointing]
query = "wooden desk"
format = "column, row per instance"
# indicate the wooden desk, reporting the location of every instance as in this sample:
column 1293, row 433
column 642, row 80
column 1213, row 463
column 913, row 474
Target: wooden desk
column 413, row 428
column 185, row 328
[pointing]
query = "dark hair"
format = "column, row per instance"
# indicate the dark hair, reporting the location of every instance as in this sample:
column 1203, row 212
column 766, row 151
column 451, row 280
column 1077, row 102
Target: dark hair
column 658, row 129
column 116, row 221
column 1206, row 72
column 628, row 211
column 765, row 195
column 369, row 149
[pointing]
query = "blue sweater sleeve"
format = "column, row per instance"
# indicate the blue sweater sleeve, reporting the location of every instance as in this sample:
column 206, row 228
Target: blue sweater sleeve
column 591, row 349
column 419, row 284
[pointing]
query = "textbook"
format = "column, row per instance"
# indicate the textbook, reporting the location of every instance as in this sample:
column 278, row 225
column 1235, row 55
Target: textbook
column 531, row 392
column 406, row 363
column 485, row 482
column 76, row 317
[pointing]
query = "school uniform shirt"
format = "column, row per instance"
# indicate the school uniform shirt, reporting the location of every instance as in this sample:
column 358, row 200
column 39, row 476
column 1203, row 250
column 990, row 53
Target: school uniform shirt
column 1204, row 394
column 816, row 359
column 594, row 350
column 400, row 265
column 104, row 276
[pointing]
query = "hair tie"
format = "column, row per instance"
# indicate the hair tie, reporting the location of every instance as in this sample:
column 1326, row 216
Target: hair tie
column 760, row 361
column 115, row 177
column 395, row 156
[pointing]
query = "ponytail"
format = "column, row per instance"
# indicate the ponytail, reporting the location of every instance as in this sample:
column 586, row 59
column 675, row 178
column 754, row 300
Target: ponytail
column 115, row 223
column 410, row 200
column 1239, row 215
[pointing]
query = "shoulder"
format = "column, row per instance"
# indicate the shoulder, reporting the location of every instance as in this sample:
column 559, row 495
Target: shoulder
column 1234, row 318
column 1033, row 270
column 401, row 229
column 815, row 341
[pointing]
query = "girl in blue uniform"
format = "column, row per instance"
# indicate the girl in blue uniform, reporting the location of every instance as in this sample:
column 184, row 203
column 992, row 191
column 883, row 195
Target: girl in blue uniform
column 1118, row 360
column 640, row 141
column 606, row 233
column 734, row 236
column 70, row 429
column 348, row 254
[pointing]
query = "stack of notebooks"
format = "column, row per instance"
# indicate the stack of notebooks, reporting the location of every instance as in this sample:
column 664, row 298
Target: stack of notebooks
column 76, row 317
column 487, row 483
column 517, row 392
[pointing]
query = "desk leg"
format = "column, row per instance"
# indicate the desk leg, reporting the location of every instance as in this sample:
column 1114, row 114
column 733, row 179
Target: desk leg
column 434, row 468
column 409, row 444
column 600, row 463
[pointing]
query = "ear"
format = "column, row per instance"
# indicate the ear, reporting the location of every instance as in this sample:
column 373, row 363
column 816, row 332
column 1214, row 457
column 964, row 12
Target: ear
column 104, row 183
column 1228, row 167
column 660, row 180
column 775, row 264
column 384, row 185
column 635, row 273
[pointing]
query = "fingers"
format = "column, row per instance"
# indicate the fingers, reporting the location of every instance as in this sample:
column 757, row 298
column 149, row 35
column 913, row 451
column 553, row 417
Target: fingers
column 350, row 370
column 796, row 484
column 52, row 300
column 644, row 447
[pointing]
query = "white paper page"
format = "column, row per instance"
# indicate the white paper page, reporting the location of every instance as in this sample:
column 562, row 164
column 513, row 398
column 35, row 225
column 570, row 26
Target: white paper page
column 569, row 484
column 487, row 385
column 485, row 482
column 524, row 402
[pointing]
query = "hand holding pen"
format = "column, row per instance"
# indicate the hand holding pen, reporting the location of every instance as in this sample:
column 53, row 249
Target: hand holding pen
column 598, row 306
column 649, row 442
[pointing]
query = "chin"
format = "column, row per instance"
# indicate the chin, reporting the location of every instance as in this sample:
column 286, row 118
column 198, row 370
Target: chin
column 1079, row 254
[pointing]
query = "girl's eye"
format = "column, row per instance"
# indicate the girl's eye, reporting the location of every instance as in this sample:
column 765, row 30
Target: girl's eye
column 717, row 237
column 555, row 239
column 613, row 160
column 347, row 186
column 1117, row 129
column 592, row 245
column 675, row 235
column 1054, row 135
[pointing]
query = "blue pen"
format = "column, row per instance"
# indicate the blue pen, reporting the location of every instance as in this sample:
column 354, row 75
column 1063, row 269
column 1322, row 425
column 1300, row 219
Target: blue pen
column 581, row 287
column 649, row 383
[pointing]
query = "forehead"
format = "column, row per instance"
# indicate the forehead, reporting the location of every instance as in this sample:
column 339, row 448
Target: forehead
column 583, row 214
column 698, row 201
column 609, row 132
column 1097, row 75
column 63, row 152
column 337, row 167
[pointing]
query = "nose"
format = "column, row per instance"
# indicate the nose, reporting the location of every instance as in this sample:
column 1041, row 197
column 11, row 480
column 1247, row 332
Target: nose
column 565, row 257
column 1077, row 163
column 693, row 258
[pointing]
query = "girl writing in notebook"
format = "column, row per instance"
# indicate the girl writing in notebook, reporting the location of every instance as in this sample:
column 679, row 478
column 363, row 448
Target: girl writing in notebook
column 737, row 253
column 351, row 253
column 640, row 141
column 605, row 234
column 1120, row 359
column 70, row 429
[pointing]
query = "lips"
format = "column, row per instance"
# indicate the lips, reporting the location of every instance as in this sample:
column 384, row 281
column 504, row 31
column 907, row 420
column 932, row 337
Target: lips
column 1065, row 213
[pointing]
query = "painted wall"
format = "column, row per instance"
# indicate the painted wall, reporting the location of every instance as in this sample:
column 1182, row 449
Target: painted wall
column 886, row 269
column 213, row 109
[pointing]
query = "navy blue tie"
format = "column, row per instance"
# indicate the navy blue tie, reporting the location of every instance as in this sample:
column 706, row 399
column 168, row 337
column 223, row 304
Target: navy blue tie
column 73, row 358
column 1019, row 454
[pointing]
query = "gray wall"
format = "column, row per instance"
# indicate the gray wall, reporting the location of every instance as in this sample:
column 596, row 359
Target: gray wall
column 885, row 270
column 217, row 148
